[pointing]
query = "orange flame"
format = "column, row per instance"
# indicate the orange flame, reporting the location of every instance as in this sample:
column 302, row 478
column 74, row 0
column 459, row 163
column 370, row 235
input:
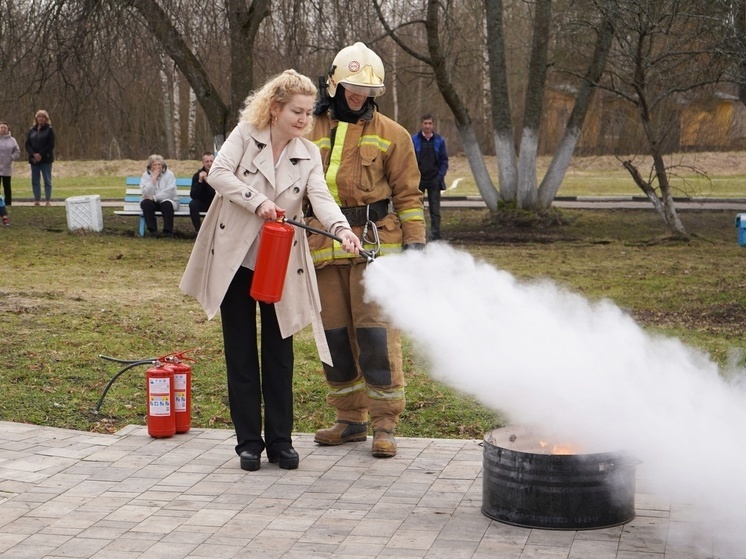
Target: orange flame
column 560, row 449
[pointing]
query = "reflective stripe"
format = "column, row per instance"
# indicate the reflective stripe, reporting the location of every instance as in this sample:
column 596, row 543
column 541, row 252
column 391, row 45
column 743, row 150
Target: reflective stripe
column 386, row 394
column 323, row 143
column 412, row 214
column 335, row 160
column 381, row 143
column 359, row 386
column 335, row 252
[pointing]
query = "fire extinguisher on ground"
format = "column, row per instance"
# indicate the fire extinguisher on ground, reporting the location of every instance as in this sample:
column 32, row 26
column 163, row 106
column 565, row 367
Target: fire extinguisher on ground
column 182, row 389
column 168, row 388
column 159, row 386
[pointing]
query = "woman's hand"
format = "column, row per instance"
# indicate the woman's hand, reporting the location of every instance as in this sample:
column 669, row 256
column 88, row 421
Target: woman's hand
column 267, row 210
column 350, row 242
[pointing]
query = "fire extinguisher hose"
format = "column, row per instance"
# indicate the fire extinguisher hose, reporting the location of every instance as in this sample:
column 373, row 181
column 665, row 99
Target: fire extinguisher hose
column 369, row 256
column 130, row 365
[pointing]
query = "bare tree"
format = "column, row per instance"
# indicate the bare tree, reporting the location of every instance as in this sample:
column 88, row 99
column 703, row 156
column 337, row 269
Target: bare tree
column 517, row 172
column 436, row 59
column 243, row 22
column 666, row 51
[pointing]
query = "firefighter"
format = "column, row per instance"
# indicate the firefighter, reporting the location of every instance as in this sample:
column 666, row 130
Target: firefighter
column 372, row 173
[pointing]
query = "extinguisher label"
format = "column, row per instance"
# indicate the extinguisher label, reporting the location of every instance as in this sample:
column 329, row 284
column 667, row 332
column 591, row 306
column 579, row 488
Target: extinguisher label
column 180, row 401
column 159, row 396
column 180, row 386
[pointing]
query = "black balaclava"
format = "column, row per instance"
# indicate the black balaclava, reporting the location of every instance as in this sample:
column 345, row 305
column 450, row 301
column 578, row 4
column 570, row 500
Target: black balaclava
column 340, row 110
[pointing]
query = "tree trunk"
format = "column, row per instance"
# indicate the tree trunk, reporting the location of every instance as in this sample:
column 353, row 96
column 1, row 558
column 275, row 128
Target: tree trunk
column 192, row 125
column 502, row 124
column 460, row 112
column 646, row 188
column 671, row 215
column 244, row 20
column 552, row 180
column 740, row 29
column 157, row 22
column 168, row 123
column 176, row 111
column 527, row 196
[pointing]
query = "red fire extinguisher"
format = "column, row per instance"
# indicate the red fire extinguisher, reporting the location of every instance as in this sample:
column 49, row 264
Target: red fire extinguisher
column 275, row 242
column 182, row 389
column 159, row 384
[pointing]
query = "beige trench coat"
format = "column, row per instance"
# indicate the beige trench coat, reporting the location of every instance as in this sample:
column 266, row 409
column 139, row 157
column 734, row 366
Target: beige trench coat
column 243, row 177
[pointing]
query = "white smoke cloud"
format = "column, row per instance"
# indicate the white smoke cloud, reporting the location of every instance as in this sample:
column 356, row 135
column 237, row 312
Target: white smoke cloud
column 583, row 371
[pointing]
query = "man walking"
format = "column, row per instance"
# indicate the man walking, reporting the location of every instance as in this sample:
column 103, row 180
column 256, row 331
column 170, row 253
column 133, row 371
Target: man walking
column 432, row 159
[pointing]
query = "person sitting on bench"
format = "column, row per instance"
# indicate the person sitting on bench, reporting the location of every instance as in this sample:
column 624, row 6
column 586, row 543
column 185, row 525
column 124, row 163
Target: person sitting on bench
column 158, row 189
column 201, row 192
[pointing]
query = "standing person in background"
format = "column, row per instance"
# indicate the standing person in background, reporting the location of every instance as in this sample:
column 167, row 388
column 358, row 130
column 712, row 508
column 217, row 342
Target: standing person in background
column 372, row 173
column 201, row 192
column 40, row 148
column 158, row 189
column 264, row 169
column 432, row 159
column 9, row 152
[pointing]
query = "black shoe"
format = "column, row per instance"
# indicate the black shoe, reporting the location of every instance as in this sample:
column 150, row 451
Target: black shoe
column 251, row 460
column 287, row 457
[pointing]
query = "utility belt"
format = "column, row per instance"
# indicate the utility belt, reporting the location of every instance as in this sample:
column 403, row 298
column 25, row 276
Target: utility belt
column 360, row 215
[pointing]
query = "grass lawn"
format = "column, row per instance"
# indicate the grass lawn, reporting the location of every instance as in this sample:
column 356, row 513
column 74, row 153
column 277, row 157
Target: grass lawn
column 67, row 297
column 692, row 175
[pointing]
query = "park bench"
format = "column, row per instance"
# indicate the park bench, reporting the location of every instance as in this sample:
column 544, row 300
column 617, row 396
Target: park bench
column 132, row 199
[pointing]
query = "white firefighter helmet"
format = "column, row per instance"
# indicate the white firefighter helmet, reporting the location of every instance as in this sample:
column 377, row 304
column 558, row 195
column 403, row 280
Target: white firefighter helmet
column 359, row 70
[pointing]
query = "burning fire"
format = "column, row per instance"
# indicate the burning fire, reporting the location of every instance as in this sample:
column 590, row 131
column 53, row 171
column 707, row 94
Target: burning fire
column 559, row 449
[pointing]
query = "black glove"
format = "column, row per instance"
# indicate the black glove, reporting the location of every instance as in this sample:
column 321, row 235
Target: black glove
column 414, row 246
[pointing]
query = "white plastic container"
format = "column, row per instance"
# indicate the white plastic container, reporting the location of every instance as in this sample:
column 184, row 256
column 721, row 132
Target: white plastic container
column 84, row 212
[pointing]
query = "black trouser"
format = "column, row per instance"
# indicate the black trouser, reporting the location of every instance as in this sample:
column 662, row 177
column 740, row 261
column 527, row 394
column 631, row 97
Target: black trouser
column 433, row 202
column 6, row 190
column 149, row 207
column 195, row 207
column 247, row 382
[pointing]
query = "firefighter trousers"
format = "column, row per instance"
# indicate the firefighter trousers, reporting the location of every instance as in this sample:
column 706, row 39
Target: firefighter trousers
column 367, row 375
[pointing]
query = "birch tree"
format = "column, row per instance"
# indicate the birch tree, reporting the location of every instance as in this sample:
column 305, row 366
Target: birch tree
column 517, row 169
column 517, row 173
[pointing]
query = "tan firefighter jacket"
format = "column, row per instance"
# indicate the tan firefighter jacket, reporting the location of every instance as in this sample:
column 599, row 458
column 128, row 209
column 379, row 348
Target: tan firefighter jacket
column 371, row 161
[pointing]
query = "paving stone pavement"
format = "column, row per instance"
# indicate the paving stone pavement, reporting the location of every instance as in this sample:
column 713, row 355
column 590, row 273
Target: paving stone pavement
column 67, row 493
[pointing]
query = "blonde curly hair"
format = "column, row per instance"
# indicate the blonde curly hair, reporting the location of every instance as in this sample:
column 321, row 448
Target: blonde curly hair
column 278, row 90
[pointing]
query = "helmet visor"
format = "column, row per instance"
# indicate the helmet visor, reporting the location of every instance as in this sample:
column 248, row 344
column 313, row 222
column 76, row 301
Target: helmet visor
column 365, row 90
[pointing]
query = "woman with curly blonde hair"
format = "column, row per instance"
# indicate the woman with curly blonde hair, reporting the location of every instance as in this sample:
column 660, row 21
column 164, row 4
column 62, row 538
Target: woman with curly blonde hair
column 264, row 170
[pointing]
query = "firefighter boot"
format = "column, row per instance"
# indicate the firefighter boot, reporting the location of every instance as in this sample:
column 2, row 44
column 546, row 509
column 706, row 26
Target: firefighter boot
column 342, row 432
column 384, row 444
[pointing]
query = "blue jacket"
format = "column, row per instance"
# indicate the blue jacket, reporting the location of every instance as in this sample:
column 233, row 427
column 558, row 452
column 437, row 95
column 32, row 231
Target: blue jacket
column 441, row 154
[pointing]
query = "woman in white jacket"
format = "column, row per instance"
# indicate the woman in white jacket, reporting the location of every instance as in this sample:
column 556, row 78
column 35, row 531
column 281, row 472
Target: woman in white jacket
column 265, row 166
column 158, row 189
column 9, row 152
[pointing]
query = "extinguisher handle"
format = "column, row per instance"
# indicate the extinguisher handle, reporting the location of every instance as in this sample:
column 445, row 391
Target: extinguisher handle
column 369, row 256
column 180, row 355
